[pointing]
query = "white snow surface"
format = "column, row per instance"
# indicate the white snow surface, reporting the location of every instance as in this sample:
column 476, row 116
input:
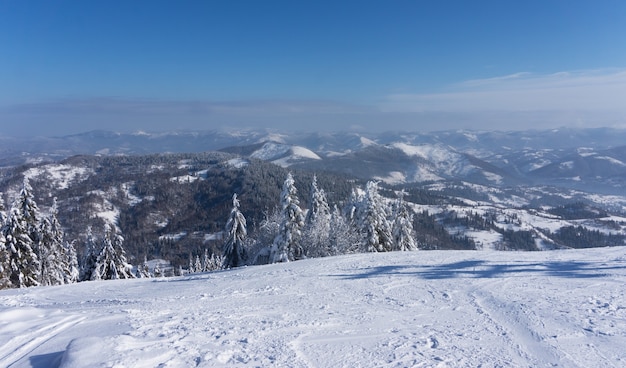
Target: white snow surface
column 401, row 309
column 394, row 177
column 271, row 150
column 238, row 163
column 612, row 160
column 61, row 175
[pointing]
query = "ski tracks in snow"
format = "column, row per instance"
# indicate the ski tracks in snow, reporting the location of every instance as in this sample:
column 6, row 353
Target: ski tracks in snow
column 515, row 323
column 42, row 326
column 417, row 309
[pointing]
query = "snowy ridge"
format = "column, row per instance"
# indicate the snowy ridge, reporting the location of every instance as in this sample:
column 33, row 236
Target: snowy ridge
column 283, row 154
column 400, row 309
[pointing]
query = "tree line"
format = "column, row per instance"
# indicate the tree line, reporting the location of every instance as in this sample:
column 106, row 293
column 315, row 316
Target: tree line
column 34, row 251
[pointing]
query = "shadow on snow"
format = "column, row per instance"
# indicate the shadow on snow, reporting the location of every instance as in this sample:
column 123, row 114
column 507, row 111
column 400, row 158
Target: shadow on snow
column 484, row 269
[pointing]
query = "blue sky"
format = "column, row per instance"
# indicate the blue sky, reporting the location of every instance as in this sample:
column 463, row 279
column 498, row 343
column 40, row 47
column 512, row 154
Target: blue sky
column 73, row 66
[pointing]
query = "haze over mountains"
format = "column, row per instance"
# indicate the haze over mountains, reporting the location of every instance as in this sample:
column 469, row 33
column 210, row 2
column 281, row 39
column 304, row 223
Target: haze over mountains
column 586, row 159
column 170, row 192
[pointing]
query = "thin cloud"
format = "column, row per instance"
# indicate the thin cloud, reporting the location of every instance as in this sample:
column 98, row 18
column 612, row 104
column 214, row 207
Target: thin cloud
column 193, row 107
column 599, row 90
column 68, row 116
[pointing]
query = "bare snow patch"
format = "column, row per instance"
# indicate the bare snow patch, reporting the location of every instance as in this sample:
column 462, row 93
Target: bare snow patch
column 61, row 175
column 173, row 237
column 394, row 177
column 184, row 179
column 493, row 177
column 237, row 163
column 611, row 160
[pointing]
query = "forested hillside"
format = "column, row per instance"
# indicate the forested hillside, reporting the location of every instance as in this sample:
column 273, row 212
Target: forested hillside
column 180, row 207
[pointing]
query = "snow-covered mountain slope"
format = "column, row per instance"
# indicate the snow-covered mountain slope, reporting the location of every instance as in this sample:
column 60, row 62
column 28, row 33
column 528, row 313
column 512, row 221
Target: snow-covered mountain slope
column 512, row 155
column 601, row 168
column 401, row 163
column 283, row 154
column 416, row 309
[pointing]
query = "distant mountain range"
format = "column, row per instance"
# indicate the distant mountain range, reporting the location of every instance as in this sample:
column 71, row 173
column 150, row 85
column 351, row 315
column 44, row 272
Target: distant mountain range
column 170, row 193
column 586, row 159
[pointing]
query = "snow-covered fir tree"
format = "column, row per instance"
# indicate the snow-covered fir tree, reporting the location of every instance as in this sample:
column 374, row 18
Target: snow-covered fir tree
column 143, row 271
column 67, row 260
column 51, row 254
column 373, row 220
column 30, row 213
column 236, row 232
column 111, row 263
column 265, row 234
column 4, row 253
column 192, row 266
column 22, row 236
column 214, row 263
column 205, row 260
column 197, row 266
column 402, row 231
column 24, row 268
column 157, row 270
column 317, row 224
column 5, row 281
column 343, row 236
column 319, row 203
column 352, row 204
column 90, row 256
column 287, row 246
column 3, row 216
column 72, row 272
column 58, row 258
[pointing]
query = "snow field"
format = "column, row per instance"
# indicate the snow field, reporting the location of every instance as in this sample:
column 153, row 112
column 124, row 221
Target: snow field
column 399, row 309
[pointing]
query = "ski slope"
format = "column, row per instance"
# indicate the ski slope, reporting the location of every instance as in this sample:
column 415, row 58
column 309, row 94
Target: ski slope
column 412, row 309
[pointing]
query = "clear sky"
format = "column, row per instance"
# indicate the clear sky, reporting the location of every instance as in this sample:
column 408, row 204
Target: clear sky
column 69, row 66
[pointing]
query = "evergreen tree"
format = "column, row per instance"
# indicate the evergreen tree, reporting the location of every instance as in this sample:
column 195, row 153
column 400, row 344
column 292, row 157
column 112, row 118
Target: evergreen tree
column 111, row 263
column 55, row 262
column 317, row 224
column 30, row 213
column 236, row 232
column 72, row 272
column 23, row 264
column 4, row 253
column 3, row 216
column 198, row 265
column 287, row 245
column 5, row 281
column 265, row 234
column 372, row 214
column 352, row 205
column 90, row 257
column 319, row 204
column 157, row 270
column 215, row 263
column 403, row 233
column 205, row 260
column 192, row 267
column 143, row 271
column 343, row 236
column 51, row 255
column 22, row 236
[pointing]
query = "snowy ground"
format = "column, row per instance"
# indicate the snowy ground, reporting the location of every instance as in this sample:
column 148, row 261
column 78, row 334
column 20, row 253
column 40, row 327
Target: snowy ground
column 418, row 309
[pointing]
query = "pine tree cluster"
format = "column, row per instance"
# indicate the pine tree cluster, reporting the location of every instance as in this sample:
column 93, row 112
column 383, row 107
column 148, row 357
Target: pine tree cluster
column 33, row 251
column 368, row 223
